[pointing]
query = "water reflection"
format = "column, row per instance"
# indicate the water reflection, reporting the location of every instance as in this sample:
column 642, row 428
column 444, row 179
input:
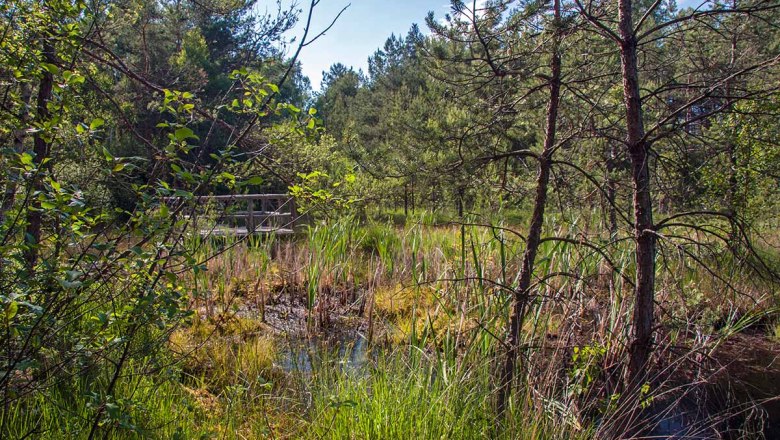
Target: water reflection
column 350, row 353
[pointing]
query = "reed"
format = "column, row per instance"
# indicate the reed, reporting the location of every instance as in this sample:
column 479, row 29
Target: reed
column 431, row 303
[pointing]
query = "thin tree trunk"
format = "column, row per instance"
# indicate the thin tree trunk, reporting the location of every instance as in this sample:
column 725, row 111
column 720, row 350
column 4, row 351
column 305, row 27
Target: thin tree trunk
column 406, row 200
column 12, row 177
column 522, row 294
column 41, row 149
column 459, row 202
column 733, row 200
column 642, row 338
column 411, row 196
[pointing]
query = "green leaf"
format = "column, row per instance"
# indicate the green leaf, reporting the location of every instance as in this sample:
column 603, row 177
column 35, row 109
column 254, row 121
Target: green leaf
column 11, row 310
column 96, row 123
column 26, row 158
column 73, row 274
column 184, row 133
column 51, row 68
column 38, row 310
column 71, row 77
column 70, row 284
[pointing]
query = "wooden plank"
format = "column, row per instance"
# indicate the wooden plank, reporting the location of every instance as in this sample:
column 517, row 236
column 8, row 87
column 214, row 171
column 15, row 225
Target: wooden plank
column 243, row 232
column 230, row 197
column 256, row 214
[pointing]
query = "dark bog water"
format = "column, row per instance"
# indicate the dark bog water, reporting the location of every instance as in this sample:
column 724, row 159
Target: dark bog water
column 744, row 403
column 307, row 355
column 741, row 402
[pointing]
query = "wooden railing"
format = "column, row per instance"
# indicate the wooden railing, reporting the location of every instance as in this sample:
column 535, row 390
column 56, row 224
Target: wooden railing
column 260, row 214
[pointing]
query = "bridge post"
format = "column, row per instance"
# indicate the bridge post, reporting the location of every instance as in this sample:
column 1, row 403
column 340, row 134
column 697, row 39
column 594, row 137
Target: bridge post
column 264, row 207
column 293, row 213
column 250, row 218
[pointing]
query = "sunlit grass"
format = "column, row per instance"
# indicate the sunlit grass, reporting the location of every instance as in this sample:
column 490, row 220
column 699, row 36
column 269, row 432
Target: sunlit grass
column 435, row 299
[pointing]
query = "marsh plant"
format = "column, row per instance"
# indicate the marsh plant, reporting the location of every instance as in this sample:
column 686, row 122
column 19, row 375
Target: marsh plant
column 545, row 219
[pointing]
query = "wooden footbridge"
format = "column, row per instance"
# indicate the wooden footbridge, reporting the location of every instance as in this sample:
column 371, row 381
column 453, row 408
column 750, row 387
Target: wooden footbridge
column 239, row 215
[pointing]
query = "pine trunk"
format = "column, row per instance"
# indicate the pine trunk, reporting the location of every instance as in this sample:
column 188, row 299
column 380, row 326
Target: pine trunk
column 642, row 332
column 522, row 292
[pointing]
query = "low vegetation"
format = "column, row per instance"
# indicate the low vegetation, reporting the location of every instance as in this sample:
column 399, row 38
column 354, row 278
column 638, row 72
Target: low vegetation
column 547, row 219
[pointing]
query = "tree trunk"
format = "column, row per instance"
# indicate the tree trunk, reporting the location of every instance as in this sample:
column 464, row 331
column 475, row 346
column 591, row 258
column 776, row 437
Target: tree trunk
column 734, row 202
column 12, row 177
column 406, row 200
column 459, row 202
column 411, row 196
column 522, row 293
column 642, row 338
column 41, row 149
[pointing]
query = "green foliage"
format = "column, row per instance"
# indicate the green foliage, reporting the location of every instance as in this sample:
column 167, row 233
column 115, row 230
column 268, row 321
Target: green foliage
column 141, row 407
column 118, row 115
column 318, row 192
column 586, row 367
column 92, row 251
column 742, row 179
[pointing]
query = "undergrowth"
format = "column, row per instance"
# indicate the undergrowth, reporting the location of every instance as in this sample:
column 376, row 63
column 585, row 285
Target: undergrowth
column 430, row 302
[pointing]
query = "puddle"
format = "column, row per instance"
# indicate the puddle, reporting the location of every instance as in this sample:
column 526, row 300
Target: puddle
column 311, row 354
column 743, row 399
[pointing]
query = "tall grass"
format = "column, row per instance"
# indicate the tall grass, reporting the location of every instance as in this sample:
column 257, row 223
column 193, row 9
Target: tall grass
column 141, row 407
column 413, row 394
column 433, row 302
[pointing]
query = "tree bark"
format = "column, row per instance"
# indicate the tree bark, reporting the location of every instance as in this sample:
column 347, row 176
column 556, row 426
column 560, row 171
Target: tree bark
column 642, row 332
column 733, row 200
column 459, row 202
column 522, row 293
column 406, row 200
column 41, row 149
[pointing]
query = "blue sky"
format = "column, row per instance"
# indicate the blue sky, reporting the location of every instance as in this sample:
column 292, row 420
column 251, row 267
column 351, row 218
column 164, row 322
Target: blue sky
column 360, row 31
column 363, row 28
